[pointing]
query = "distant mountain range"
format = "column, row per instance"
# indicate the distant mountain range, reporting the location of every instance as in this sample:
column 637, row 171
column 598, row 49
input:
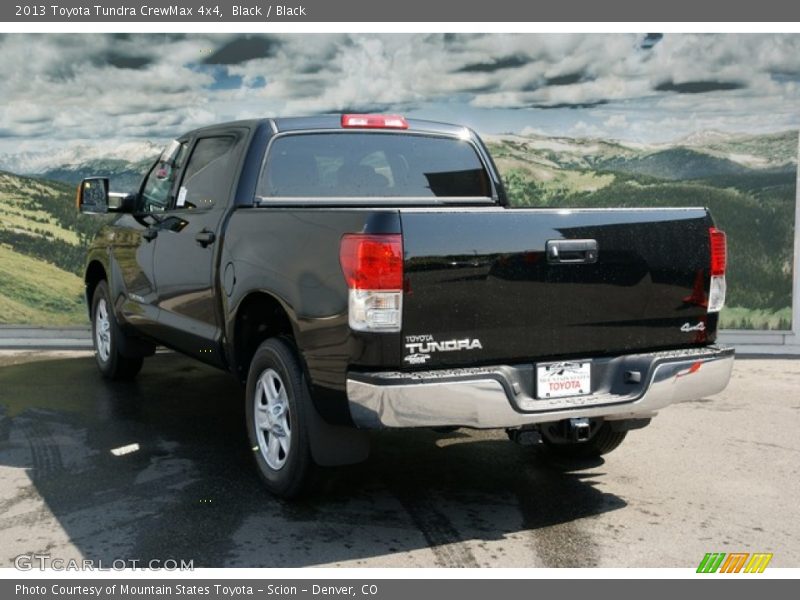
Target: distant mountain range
column 124, row 163
column 703, row 154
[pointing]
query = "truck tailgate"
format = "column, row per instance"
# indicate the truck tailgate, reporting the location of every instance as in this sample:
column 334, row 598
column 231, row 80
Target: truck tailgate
column 482, row 286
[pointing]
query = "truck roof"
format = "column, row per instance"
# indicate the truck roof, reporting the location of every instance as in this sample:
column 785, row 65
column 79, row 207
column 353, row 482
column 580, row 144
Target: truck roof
column 284, row 124
column 335, row 122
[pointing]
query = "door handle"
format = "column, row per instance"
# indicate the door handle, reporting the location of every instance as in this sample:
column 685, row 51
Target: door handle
column 571, row 251
column 205, row 237
column 150, row 234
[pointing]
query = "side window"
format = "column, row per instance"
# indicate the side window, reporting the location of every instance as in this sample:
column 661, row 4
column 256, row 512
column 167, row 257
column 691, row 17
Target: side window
column 157, row 190
column 209, row 173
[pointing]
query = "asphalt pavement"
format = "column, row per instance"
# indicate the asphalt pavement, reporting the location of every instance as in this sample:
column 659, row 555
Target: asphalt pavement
column 160, row 468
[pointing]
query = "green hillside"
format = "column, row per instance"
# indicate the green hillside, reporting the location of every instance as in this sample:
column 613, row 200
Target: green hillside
column 36, row 292
column 762, row 151
column 675, row 164
column 42, row 247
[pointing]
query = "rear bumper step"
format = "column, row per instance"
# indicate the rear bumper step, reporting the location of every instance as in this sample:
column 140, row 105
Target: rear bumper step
column 630, row 386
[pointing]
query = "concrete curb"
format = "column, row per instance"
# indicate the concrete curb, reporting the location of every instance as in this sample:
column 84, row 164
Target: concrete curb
column 17, row 337
column 14, row 337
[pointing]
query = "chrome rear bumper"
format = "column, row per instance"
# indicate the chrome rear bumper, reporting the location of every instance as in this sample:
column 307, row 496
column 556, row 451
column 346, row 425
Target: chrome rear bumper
column 503, row 396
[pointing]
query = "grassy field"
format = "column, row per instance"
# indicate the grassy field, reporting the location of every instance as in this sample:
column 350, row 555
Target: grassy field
column 35, row 223
column 737, row 317
column 35, row 292
column 41, row 252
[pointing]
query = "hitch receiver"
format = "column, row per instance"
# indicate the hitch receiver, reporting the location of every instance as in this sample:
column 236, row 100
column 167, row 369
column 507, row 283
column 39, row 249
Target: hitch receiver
column 579, row 429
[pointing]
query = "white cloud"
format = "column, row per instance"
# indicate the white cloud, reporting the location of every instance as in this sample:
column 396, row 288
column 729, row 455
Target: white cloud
column 584, row 129
column 616, row 122
column 69, row 86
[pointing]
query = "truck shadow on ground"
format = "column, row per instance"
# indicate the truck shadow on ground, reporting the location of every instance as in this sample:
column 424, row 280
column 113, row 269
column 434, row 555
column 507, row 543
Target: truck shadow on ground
column 183, row 485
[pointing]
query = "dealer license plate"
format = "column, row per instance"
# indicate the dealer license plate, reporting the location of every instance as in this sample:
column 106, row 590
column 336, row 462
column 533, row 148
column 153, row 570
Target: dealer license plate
column 557, row 380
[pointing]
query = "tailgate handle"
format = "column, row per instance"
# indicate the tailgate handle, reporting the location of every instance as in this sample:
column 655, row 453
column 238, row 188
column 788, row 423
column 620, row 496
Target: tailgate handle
column 571, row 251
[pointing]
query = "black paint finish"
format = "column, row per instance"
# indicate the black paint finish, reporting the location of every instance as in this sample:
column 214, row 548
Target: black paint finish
column 488, row 278
column 470, row 272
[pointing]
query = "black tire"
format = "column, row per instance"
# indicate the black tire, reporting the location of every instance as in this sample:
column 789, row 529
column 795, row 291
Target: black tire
column 603, row 441
column 111, row 362
column 292, row 469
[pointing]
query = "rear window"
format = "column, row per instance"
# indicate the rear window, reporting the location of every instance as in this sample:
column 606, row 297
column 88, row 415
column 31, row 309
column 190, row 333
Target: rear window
column 363, row 165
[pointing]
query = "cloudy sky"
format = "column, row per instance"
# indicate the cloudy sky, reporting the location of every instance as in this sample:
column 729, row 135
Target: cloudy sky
column 645, row 88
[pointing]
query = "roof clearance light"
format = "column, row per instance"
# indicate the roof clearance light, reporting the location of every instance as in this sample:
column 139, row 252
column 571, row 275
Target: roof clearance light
column 375, row 121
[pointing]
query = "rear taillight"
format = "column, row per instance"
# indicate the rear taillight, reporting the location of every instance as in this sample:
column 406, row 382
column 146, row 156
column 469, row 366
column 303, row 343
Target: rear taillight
column 375, row 121
column 373, row 269
column 719, row 259
column 719, row 251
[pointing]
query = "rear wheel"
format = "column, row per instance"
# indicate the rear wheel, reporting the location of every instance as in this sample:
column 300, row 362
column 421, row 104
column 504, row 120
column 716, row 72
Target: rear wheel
column 108, row 338
column 602, row 440
column 277, row 407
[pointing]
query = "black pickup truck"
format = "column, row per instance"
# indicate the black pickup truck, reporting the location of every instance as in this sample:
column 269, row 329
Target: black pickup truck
column 359, row 272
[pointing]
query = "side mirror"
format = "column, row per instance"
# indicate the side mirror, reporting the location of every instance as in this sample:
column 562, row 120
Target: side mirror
column 92, row 197
column 95, row 199
column 121, row 203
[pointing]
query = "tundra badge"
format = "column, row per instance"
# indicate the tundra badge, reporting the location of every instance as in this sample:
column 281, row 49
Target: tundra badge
column 420, row 347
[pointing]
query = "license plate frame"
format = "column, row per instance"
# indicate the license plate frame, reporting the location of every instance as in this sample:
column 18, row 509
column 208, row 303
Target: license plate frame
column 571, row 378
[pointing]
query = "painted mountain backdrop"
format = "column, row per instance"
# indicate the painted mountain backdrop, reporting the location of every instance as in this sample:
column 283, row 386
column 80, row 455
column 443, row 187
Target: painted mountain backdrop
column 748, row 181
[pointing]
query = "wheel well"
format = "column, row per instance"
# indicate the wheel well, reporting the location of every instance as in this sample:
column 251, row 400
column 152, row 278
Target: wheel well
column 95, row 273
column 259, row 317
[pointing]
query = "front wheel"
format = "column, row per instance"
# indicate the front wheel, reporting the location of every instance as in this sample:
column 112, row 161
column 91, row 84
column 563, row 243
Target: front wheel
column 108, row 339
column 603, row 439
column 277, row 407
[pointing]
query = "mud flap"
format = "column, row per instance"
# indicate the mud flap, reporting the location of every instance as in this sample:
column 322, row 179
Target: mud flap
column 132, row 347
column 335, row 445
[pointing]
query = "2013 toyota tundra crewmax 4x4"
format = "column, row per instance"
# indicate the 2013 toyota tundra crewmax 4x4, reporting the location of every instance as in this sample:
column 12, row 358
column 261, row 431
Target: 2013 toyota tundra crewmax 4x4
column 360, row 272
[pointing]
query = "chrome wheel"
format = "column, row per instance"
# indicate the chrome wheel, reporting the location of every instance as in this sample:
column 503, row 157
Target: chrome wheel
column 272, row 419
column 102, row 331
